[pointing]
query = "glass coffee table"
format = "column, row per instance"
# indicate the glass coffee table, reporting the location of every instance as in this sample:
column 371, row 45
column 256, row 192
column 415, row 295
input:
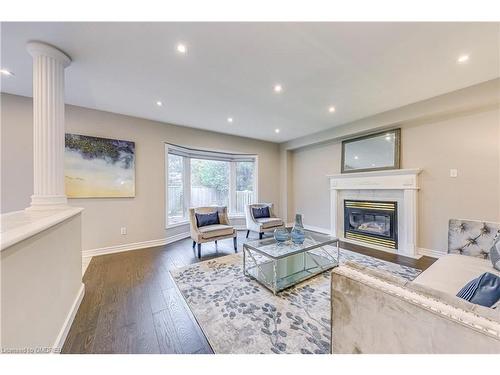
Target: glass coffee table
column 278, row 266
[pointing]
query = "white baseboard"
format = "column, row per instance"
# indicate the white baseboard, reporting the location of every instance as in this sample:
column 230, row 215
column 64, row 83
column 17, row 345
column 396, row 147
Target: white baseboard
column 134, row 246
column 318, row 229
column 431, row 253
column 85, row 264
column 312, row 227
column 63, row 333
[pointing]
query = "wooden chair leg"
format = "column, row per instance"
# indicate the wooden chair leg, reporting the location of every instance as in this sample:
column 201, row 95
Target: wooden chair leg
column 235, row 241
column 260, row 235
column 199, row 251
column 248, row 232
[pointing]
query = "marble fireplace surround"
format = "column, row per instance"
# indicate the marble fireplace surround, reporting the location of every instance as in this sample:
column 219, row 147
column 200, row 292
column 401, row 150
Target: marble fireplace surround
column 399, row 185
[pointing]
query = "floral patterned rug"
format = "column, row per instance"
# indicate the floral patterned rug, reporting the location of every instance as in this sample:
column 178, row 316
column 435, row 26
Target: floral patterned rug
column 238, row 315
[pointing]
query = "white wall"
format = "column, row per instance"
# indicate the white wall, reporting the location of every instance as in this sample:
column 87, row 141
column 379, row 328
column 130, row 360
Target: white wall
column 469, row 142
column 144, row 215
column 456, row 130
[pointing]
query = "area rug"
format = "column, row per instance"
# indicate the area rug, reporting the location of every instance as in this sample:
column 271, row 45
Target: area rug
column 238, row 315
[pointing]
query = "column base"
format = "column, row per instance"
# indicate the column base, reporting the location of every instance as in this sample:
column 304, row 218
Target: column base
column 48, row 202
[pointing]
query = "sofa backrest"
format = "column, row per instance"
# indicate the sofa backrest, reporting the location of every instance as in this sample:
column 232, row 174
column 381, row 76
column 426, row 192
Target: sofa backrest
column 471, row 237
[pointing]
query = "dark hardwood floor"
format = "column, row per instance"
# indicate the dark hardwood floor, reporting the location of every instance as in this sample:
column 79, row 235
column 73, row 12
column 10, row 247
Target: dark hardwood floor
column 131, row 304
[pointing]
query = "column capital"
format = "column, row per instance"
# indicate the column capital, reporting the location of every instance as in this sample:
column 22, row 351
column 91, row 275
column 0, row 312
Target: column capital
column 36, row 49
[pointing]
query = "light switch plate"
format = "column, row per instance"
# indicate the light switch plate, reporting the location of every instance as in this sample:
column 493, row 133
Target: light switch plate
column 453, row 172
column 123, row 230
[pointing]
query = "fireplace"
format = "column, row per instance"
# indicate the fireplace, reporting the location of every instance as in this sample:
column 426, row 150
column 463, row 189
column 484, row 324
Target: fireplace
column 372, row 222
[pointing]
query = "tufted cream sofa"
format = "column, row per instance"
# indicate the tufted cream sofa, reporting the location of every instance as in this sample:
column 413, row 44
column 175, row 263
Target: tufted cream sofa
column 375, row 312
column 211, row 233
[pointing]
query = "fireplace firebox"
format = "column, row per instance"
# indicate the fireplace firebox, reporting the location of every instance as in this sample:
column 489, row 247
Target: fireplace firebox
column 372, row 222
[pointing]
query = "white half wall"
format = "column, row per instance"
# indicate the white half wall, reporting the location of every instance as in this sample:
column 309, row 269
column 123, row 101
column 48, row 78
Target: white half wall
column 41, row 288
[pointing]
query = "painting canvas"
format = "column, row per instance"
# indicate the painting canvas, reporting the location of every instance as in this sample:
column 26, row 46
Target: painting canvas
column 99, row 167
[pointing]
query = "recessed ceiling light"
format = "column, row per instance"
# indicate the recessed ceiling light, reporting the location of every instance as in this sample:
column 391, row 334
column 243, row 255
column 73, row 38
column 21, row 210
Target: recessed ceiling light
column 229, row 119
column 356, row 157
column 463, row 59
column 6, row 72
column 159, row 103
column 181, row 48
column 278, row 88
column 276, row 131
column 331, row 109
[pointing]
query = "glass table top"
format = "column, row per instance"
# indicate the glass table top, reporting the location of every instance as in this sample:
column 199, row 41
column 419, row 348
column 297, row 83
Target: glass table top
column 273, row 249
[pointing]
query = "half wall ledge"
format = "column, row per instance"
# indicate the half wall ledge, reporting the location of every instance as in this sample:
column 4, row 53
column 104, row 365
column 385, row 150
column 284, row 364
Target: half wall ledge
column 19, row 225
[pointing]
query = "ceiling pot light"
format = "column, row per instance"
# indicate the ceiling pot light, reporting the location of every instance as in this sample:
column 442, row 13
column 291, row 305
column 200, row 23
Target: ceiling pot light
column 276, row 131
column 463, row 59
column 229, row 119
column 278, row 88
column 331, row 109
column 159, row 103
column 356, row 157
column 181, row 48
column 6, row 72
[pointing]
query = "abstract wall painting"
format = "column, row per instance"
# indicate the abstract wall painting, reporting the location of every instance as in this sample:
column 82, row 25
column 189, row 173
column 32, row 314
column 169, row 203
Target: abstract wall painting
column 99, row 167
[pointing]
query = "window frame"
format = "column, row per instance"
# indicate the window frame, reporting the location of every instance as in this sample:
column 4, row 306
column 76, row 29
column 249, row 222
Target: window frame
column 192, row 153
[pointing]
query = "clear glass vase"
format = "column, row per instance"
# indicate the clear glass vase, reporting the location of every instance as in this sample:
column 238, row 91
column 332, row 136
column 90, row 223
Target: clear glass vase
column 281, row 235
column 298, row 234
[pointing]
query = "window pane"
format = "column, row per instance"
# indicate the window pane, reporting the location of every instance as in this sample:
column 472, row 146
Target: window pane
column 244, row 185
column 209, row 183
column 176, row 212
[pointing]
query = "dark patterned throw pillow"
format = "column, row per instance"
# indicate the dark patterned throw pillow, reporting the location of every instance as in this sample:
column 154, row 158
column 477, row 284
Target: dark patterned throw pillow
column 207, row 219
column 261, row 212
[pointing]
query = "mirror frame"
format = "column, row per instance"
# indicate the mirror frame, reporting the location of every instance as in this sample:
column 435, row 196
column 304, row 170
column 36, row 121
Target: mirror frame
column 397, row 151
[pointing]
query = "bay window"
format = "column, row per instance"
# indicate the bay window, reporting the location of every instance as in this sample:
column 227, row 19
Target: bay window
column 204, row 178
column 209, row 183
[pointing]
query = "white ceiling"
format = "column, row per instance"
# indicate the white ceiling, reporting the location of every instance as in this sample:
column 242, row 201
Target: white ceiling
column 230, row 69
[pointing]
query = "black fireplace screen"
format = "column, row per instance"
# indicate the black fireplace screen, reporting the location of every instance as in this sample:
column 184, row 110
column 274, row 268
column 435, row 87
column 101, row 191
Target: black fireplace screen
column 373, row 222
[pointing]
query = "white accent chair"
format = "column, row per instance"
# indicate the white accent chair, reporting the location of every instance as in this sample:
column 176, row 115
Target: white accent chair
column 211, row 233
column 261, row 225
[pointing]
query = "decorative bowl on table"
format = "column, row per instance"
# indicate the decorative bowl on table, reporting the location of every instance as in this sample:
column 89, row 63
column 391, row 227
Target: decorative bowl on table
column 281, row 235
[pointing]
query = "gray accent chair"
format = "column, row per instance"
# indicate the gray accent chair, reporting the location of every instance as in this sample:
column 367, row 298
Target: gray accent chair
column 376, row 312
column 263, row 224
column 211, row 233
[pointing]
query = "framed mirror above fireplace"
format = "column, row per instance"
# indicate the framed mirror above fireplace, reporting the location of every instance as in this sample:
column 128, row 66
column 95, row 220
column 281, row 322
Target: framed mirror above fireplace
column 372, row 152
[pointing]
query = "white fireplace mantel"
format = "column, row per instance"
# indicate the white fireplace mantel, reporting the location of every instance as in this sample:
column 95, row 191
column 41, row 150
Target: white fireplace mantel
column 400, row 185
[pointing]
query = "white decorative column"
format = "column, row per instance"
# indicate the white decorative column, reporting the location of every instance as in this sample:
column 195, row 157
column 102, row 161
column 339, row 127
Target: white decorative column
column 48, row 125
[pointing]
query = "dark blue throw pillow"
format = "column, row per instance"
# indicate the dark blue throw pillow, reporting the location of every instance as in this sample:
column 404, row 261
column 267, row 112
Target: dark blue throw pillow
column 484, row 291
column 260, row 212
column 207, row 219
